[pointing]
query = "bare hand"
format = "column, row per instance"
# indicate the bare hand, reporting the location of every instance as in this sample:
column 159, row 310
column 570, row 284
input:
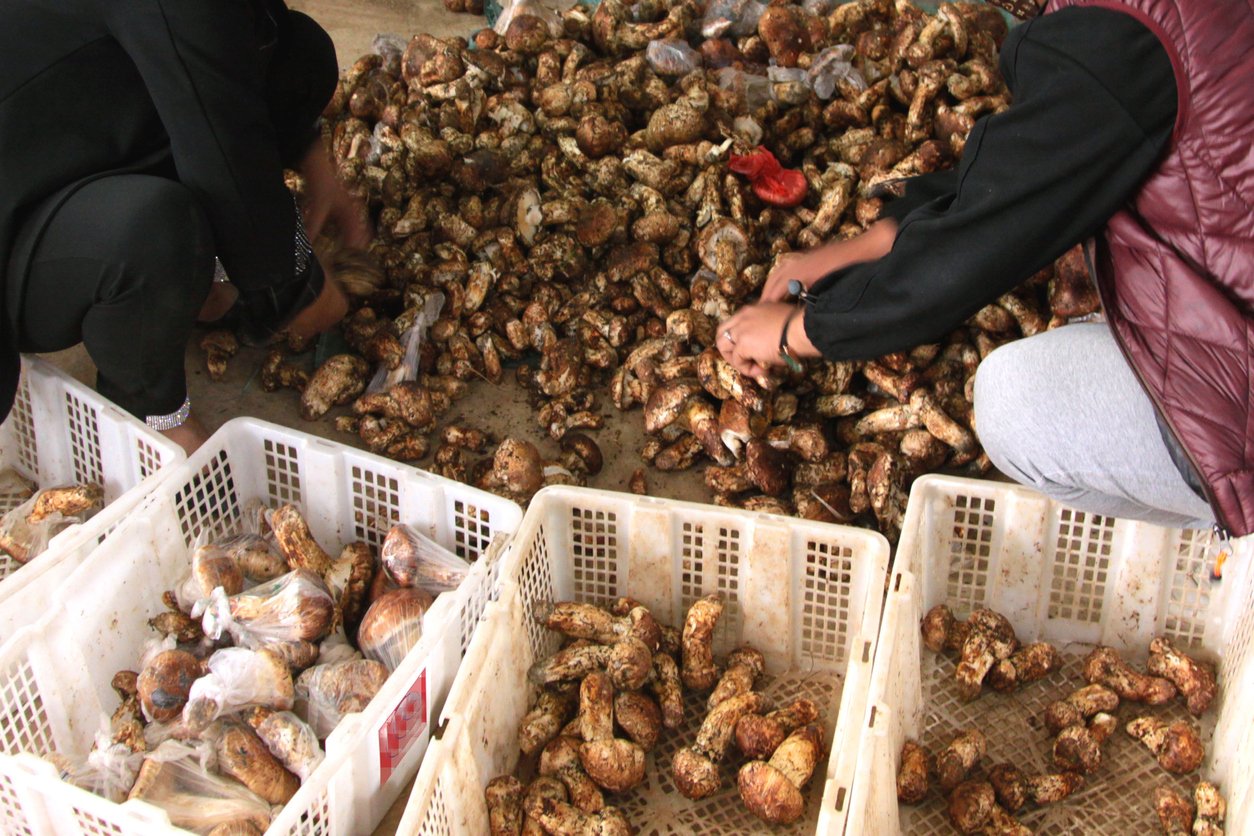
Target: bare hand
column 328, row 202
column 324, row 312
column 749, row 339
column 810, row 266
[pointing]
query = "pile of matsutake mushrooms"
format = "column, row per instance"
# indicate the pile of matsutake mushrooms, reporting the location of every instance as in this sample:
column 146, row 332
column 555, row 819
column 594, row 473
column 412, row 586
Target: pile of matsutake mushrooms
column 566, row 188
column 606, row 699
column 265, row 646
column 1080, row 723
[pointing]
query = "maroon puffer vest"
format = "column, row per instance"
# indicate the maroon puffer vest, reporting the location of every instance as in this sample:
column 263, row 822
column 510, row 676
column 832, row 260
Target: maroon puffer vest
column 1176, row 266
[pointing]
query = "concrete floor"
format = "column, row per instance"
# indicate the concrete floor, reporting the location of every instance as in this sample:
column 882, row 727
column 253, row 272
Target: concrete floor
column 497, row 409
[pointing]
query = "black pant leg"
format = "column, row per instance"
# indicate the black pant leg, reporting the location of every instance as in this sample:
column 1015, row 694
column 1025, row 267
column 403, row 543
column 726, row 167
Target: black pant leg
column 123, row 267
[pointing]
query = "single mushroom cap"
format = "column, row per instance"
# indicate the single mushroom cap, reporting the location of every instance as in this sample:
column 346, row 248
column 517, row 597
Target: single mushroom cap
column 768, row 794
column 519, row 466
column 586, row 449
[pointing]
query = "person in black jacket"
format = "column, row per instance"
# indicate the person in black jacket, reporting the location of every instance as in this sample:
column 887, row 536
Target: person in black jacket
column 1093, row 110
column 139, row 139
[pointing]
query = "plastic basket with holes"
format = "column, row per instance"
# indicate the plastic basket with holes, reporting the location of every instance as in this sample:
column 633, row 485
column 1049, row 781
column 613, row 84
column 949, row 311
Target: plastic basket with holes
column 1075, row 580
column 55, row 675
column 806, row 594
column 60, row 432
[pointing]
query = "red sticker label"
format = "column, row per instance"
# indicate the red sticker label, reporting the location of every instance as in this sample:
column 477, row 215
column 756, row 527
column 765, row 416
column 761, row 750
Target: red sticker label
column 405, row 725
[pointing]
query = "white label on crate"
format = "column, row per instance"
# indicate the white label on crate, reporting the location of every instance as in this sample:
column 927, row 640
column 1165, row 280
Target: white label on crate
column 405, row 725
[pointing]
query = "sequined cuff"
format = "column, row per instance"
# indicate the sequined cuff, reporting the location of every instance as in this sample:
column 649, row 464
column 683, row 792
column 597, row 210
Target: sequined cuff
column 161, row 423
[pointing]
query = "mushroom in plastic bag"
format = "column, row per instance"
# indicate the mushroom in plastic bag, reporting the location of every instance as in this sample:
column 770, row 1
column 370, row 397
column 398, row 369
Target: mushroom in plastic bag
column 393, row 625
column 176, row 778
column 238, row 678
column 26, row 530
column 109, row 770
column 325, row 693
column 295, row 607
column 411, row 558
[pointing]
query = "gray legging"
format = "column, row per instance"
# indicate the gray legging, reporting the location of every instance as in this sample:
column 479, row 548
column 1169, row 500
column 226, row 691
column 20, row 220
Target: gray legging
column 1063, row 412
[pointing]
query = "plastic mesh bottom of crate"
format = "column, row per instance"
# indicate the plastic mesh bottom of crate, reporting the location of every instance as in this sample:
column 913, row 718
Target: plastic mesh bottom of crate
column 1117, row 798
column 656, row 806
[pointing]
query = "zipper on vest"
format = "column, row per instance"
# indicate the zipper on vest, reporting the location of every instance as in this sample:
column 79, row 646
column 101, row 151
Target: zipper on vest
column 1220, row 525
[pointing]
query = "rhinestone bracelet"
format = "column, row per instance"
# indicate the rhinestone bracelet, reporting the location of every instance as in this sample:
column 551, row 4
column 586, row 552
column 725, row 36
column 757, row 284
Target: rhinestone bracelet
column 161, row 423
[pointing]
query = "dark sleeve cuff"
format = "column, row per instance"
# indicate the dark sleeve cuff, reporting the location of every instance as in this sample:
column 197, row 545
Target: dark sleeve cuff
column 921, row 191
column 266, row 312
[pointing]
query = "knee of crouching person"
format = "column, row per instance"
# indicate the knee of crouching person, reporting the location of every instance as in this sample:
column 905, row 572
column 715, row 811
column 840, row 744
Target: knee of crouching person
column 1003, row 408
column 172, row 247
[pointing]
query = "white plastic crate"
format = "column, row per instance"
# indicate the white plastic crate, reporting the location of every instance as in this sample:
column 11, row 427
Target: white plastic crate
column 54, row 676
column 1075, row 580
column 808, row 595
column 61, row 432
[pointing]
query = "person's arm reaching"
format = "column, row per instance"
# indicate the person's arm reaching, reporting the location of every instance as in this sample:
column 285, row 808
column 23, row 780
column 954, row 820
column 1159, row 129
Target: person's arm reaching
column 1095, row 103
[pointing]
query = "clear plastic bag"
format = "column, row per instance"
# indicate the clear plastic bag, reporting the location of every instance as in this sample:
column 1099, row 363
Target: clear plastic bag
column 212, row 567
column 238, row 678
column 755, row 90
column 511, row 10
column 26, row 530
column 393, row 625
column 830, row 67
column 176, row 777
column 386, row 378
column 732, row 18
column 671, row 56
column 325, row 693
column 295, row 607
column 789, row 85
column 291, row 740
column 336, row 648
column 109, row 770
column 411, row 558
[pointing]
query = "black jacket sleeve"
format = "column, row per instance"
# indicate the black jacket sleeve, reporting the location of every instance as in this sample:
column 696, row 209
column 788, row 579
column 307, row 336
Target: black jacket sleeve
column 1094, row 104
column 202, row 63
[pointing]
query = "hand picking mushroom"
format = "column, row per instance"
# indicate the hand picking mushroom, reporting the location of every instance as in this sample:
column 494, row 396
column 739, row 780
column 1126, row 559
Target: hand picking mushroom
column 772, row 789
